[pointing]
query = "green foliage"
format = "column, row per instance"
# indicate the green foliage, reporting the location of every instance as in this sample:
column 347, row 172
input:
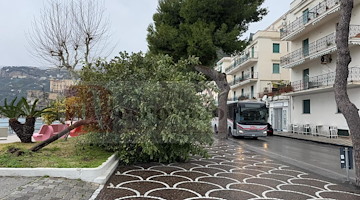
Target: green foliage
column 56, row 111
column 30, row 110
column 12, row 110
column 202, row 28
column 157, row 113
column 20, row 108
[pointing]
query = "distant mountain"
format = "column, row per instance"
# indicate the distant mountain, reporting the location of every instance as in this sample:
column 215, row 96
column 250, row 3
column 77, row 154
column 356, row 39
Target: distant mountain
column 15, row 81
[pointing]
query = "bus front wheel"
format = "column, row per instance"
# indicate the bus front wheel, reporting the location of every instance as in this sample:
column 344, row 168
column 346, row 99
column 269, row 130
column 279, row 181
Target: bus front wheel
column 229, row 133
column 215, row 129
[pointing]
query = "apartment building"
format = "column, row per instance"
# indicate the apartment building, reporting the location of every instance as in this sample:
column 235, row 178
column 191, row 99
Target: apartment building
column 222, row 64
column 254, row 70
column 310, row 27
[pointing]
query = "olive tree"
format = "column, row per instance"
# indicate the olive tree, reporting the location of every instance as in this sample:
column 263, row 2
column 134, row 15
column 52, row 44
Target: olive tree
column 157, row 113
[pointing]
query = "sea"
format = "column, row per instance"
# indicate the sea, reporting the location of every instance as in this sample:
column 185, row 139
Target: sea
column 4, row 122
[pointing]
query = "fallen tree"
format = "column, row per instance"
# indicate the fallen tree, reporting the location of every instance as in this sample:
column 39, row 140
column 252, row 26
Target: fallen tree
column 62, row 133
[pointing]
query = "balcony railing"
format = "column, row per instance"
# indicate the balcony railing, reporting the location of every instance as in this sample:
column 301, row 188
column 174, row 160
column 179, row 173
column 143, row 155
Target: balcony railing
column 314, row 47
column 247, row 76
column 319, row 45
column 354, row 30
column 240, row 60
column 324, row 80
column 307, row 17
column 240, row 97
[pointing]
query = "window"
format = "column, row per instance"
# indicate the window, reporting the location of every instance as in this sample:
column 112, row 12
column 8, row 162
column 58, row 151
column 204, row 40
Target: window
column 306, row 16
column 276, row 48
column 305, row 47
column 306, row 106
column 276, row 68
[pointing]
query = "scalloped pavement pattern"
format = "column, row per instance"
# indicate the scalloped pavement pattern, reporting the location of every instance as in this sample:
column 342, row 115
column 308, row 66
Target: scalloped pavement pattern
column 231, row 173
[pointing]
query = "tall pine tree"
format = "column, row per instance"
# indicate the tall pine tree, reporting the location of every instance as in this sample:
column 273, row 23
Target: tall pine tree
column 205, row 29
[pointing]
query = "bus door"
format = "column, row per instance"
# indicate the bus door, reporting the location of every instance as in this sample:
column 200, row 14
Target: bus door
column 234, row 117
column 232, row 114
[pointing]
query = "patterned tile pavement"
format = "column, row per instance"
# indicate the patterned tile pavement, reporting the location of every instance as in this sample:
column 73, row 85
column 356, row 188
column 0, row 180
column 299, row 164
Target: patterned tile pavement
column 231, row 172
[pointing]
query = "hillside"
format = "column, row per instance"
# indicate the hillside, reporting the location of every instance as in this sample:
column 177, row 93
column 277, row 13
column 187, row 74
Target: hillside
column 15, row 81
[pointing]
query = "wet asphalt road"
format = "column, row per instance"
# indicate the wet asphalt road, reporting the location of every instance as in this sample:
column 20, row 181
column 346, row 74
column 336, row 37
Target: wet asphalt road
column 319, row 158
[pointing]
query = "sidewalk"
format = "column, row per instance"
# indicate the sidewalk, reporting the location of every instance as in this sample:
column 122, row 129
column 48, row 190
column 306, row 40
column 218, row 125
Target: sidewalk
column 340, row 141
column 10, row 139
column 45, row 188
column 231, row 172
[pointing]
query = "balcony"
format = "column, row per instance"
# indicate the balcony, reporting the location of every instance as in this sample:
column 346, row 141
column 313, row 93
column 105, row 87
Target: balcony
column 320, row 47
column 242, row 61
column 324, row 81
column 241, row 97
column 309, row 18
column 247, row 78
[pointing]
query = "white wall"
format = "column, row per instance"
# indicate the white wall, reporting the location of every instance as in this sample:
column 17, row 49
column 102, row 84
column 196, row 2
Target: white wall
column 323, row 109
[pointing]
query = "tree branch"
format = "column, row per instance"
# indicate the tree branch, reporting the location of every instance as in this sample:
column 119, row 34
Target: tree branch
column 62, row 133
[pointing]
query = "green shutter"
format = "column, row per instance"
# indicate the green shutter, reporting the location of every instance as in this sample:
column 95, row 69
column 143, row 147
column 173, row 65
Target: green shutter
column 306, row 106
column 276, row 68
column 276, row 48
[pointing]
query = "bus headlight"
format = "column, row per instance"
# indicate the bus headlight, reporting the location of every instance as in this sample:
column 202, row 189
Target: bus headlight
column 240, row 131
column 265, row 132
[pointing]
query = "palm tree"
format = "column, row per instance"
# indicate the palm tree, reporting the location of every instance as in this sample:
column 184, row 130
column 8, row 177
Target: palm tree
column 13, row 112
column 22, row 108
column 30, row 113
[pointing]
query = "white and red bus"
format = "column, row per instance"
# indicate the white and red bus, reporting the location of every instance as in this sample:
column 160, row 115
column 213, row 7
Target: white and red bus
column 246, row 119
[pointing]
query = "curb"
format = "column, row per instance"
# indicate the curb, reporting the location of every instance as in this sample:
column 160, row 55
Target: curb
column 96, row 175
column 316, row 141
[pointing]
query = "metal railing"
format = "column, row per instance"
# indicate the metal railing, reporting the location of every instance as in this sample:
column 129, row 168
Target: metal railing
column 241, row 59
column 301, row 53
column 316, row 46
column 354, row 30
column 324, row 80
column 247, row 76
column 239, row 97
column 307, row 17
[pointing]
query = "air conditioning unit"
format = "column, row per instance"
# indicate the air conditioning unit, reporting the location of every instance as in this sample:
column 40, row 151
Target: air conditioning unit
column 326, row 59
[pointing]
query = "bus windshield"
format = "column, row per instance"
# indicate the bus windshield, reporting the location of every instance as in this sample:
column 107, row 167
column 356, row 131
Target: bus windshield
column 252, row 114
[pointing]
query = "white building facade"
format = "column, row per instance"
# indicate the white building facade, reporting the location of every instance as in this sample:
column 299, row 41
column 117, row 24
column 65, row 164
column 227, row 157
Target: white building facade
column 256, row 70
column 310, row 27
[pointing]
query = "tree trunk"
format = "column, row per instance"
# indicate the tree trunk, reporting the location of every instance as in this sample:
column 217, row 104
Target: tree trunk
column 221, row 82
column 23, row 131
column 347, row 108
column 59, row 135
column 17, row 127
column 28, row 129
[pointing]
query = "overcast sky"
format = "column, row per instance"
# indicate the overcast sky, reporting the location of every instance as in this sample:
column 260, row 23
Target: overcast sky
column 129, row 21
